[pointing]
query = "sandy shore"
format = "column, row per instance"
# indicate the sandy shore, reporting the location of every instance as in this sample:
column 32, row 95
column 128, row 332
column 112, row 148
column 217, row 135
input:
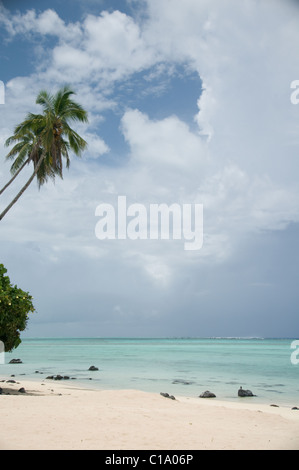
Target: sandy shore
column 52, row 415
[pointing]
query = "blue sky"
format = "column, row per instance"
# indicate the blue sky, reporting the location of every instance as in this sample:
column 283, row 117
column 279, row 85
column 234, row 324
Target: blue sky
column 189, row 102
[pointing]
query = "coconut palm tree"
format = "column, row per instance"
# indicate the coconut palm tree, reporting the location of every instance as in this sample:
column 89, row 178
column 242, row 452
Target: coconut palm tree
column 46, row 139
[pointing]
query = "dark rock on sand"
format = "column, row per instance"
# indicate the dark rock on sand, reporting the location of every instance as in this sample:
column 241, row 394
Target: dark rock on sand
column 15, row 361
column 166, row 395
column 295, row 408
column 207, row 394
column 22, row 390
column 11, row 381
column 245, row 393
column 93, row 368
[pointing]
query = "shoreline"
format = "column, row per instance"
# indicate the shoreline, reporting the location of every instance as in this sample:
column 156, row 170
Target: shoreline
column 55, row 415
column 91, row 384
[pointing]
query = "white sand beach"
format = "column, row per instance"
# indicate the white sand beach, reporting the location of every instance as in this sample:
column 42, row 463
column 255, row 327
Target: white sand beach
column 52, row 415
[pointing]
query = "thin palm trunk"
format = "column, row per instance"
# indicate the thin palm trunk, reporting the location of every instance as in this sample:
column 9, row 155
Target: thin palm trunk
column 24, row 187
column 14, row 177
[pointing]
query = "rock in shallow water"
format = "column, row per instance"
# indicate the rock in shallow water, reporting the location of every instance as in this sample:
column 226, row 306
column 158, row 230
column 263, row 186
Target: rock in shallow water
column 245, row 393
column 207, row 394
column 58, row 377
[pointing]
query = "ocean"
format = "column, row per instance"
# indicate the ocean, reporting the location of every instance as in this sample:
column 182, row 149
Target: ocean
column 178, row 366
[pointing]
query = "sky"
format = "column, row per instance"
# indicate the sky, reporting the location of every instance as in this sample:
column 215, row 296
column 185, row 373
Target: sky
column 189, row 103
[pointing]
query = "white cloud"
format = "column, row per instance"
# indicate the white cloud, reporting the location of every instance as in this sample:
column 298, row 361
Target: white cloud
column 207, row 106
column 111, row 47
column 244, row 54
column 107, row 47
column 47, row 22
column 236, row 108
column 166, row 143
column 96, row 145
column 67, row 57
column 116, row 40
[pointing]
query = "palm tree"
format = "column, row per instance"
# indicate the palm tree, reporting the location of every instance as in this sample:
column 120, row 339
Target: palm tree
column 45, row 139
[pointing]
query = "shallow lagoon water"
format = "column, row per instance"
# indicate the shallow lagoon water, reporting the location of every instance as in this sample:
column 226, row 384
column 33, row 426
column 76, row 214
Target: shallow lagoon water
column 179, row 366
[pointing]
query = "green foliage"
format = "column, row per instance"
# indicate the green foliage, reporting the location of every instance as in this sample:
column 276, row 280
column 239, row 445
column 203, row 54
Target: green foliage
column 46, row 139
column 15, row 305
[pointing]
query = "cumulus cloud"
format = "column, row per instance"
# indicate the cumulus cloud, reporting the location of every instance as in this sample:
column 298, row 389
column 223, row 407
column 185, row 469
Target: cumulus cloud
column 96, row 145
column 115, row 40
column 168, row 142
column 47, row 22
column 237, row 124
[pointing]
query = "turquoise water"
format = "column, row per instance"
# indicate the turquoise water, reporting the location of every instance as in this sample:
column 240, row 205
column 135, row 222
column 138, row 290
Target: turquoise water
column 178, row 366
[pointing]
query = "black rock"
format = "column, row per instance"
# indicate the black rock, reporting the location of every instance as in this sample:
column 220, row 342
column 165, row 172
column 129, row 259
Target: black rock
column 166, row 395
column 295, row 408
column 1, row 391
column 245, row 393
column 15, row 361
column 207, row 394
column 93, row 368
column 58, row 377
column 22, row 390
column 10, row 381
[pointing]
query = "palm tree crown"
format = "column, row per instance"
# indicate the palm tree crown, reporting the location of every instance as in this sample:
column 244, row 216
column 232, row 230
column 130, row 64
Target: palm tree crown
column 46, row 139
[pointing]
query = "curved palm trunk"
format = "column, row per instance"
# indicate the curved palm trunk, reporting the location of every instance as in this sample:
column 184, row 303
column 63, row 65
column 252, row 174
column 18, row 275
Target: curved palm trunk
column 24, row 187
column 14, row 176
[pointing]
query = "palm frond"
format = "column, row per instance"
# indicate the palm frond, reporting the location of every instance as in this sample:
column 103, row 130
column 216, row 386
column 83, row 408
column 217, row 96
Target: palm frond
column 45, row 100
column 46, row 139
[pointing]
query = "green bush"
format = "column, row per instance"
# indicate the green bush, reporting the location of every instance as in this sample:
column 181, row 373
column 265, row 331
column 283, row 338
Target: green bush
column 15, row 305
